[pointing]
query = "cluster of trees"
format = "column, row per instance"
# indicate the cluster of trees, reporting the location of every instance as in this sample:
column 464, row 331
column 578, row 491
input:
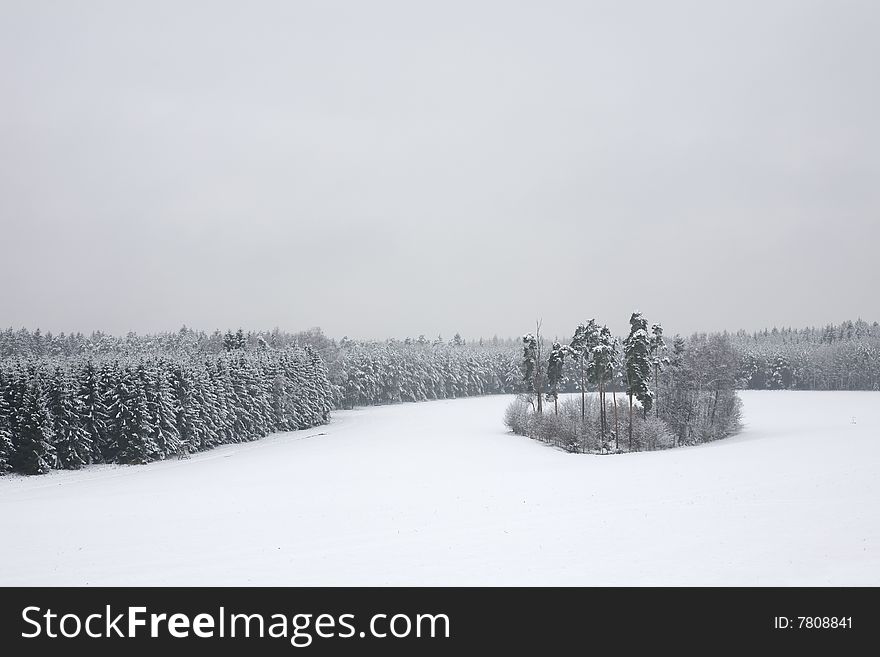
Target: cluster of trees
column 679, row 396
column 845, row 356
column 364, row 374
column 69, row 412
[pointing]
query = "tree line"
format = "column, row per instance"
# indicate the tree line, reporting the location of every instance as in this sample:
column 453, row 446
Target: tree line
column 67, row 400
column 836, row 357
column 843, row 356
column 69, row 412
column 364, row 374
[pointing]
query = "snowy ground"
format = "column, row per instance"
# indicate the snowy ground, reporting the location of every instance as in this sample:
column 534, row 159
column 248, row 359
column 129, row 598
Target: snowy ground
column 438, row 494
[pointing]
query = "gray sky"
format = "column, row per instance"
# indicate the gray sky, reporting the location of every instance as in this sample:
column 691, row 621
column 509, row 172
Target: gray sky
column 396, row 168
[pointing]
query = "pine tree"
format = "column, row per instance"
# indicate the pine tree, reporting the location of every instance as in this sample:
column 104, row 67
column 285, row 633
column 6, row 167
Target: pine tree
column 134, row 433
column 555, row 370
column 7, row 447
column 531, row 369
column 161, row 410
column 188, row 420
column 601, row 368
column 229, row 343
column 243, row 423
column 322, row 386
column 73, row 445
column 637, row 367
column 585, row 339
column 205, row 403
column 659, row 360
column 95, row 418
column 34, row 453
column 220, row 393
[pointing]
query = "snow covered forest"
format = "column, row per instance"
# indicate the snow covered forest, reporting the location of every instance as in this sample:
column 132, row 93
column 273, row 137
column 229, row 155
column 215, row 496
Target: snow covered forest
column 69, row 400
column 845, row 356
column 65, row 413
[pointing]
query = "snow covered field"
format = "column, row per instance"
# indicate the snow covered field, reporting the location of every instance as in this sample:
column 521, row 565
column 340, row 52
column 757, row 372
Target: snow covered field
column 438, row 493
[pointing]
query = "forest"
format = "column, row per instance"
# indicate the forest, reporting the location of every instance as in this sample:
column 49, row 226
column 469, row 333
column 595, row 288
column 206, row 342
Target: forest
column 845, row 356
column 134, row 408
column 67, row 400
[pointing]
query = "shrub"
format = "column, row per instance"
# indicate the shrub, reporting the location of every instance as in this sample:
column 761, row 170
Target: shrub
column 651, row 434
column 516, row 417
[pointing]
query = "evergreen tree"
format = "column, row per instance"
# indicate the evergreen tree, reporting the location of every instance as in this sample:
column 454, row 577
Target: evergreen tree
column 637, row 367
column 205, row 404
column 659, row 360
column 161, row 410
column 229, row 343
column 555, row 372
column 135, row 444
column 34, row 453
column 7, row 447
column 188, row 420
column 531, row 366
column 73, row 446
column 601, row 368
column 95, row 418
column 585, row 339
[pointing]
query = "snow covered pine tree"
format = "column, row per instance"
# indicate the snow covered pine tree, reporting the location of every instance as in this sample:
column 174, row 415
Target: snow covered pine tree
column 637, row 367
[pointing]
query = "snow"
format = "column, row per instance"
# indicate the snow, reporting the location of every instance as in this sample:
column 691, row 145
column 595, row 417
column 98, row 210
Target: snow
column 438, row 493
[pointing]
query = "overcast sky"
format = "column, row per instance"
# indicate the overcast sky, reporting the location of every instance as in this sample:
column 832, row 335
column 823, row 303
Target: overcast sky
column 397, row 168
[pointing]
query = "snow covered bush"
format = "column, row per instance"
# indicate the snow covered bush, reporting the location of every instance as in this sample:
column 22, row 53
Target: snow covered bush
column 563, row 429
column 516, row 417
column 651, row 433
column 545, row 427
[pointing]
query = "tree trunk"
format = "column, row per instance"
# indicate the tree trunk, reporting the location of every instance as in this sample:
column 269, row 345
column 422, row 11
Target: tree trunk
column 630, row 423
column 616, row 422
column 539, row 381
column 656, row 391
column 583, row 393
column 539, row 393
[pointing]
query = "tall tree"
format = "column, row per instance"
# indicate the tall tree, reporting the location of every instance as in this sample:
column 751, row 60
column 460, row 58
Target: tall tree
column 659, row 360
column 95, row 420
column 603, row 362
column 7, row 447
column 555, row 372
column 34, row 453
column 134, row 434
column 161, row 408
column 637, row 367
column 585, row 339
column 73, row 445
column 532, row 370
